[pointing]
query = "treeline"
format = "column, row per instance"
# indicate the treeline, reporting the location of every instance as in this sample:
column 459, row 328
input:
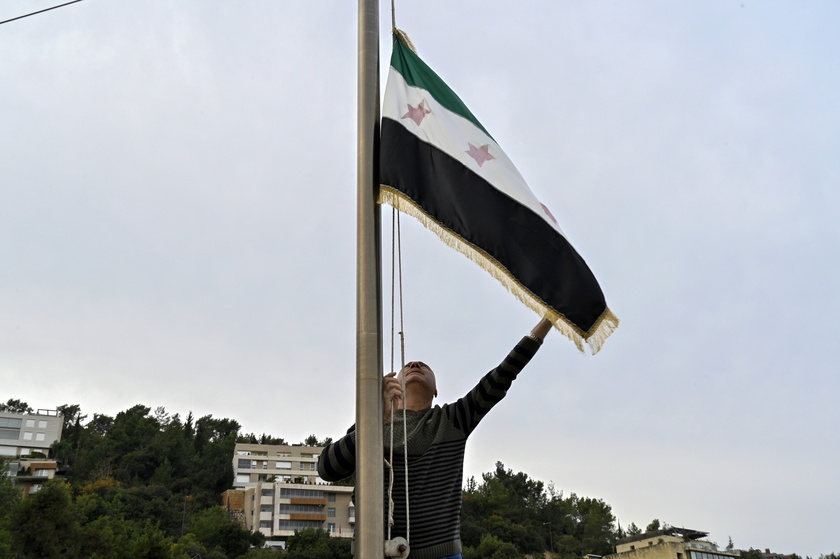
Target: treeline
column 147, row 484
column 509, row 515
column 143, row 484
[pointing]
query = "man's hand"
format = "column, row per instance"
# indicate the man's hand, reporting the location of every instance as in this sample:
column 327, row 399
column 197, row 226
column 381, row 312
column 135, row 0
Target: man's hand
column 542, row 328
column 392, row 394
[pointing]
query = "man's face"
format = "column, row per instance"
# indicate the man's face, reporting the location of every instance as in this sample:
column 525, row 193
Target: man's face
column 419, row 376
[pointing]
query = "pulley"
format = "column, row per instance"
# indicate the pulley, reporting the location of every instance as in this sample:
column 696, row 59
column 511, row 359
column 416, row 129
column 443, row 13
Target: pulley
column 397, row 547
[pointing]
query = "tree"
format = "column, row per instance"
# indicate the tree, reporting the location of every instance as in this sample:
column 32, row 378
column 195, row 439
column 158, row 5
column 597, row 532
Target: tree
column 522, row 512
column 633, row 530
column 492, row 547
column 312, row 440
column 9, row 497
column 653, row 526
column 316, row 544
column 44, row 524
column 16, row 406
column 216, row 530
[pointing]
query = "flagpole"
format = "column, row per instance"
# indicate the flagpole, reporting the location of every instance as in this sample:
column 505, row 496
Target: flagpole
column 370, row 531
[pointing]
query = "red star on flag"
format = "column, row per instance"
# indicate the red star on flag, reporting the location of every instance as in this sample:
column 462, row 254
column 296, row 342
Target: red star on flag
column 548, row 212
column 418, row 113
column 481, row 155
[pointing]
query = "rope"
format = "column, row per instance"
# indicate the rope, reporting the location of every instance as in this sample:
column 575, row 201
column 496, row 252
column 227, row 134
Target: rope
column 396, row 264
column 402, row 359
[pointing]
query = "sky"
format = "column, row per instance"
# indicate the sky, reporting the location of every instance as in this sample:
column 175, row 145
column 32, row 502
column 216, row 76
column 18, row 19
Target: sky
column 178, row 222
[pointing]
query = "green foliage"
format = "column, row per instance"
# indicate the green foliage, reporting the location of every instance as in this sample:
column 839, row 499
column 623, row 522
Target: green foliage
column 9, row 498
column 492, row 547
column 316, row 544
column 217, row 531
column 251, row 438
column 520, row 512
column 43, row 524
column 16, row 406
column 312, row 440
column 141, row 484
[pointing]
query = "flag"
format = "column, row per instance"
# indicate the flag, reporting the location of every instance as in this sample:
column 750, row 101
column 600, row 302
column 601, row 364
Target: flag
column 440, row 165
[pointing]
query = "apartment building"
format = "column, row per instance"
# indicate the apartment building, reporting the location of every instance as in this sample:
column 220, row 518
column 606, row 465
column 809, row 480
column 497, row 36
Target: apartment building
column 670, row 543
column 26, row 439
column 253, row 463
column 277, row 491
column 22, row 434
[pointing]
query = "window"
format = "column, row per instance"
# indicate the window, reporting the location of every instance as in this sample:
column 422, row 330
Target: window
column 284, row 465
column 304, row 493
column 40, row 436
column 243, row 478
column 331, row 497
column 331, row 512
column 267, row 493
column 27, row 436
column 30, row 423
column 298, row 524
column 265, row 523
column 42, row 424
column 330, row 527
column 243, row 464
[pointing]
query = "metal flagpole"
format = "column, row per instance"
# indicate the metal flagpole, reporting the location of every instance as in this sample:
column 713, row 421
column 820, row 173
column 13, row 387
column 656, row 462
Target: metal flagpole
column 370, row 531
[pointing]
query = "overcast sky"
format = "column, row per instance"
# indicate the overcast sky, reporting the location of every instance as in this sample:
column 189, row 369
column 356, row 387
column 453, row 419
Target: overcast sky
column 177, row 229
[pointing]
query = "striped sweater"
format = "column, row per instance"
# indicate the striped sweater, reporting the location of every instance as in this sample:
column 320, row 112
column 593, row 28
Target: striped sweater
column 436, row 442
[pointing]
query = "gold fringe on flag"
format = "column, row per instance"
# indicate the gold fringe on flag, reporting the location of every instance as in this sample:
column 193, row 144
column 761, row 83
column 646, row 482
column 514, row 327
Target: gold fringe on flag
column 595, row 338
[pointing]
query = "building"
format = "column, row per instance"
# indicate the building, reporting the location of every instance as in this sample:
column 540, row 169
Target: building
column 27, row 434
column 253, row 463
column 277, row 491
column 30, row 473
column 670, row 543
column 26, row 439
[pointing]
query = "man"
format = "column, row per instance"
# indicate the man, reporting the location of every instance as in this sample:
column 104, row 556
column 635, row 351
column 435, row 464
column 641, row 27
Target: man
column 437, row 439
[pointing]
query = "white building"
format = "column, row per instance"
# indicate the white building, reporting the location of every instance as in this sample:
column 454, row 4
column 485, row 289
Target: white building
column 254, row 463
column 277, row 491
column 27, row 434
column 26, row 438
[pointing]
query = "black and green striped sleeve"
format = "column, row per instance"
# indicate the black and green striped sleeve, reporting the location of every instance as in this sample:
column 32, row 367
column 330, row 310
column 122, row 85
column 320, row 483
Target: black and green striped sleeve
column 338, row 460
column 469, row 410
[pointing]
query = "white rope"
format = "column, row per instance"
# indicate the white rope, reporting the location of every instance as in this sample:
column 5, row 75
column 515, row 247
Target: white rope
column 396, row 263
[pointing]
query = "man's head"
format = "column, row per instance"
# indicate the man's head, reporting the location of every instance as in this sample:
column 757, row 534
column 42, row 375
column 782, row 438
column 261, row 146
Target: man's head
column 420, row 381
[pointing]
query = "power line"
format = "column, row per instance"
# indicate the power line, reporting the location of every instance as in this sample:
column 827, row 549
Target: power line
column 39, row 12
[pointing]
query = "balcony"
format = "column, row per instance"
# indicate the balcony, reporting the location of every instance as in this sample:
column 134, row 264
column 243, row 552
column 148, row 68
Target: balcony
column 308, row 501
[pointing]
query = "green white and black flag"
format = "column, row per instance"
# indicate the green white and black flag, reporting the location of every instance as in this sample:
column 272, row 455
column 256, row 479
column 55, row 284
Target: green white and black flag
column 439, row 164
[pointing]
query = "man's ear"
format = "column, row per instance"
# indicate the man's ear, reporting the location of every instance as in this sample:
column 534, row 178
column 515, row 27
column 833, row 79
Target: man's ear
column 435, row 393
